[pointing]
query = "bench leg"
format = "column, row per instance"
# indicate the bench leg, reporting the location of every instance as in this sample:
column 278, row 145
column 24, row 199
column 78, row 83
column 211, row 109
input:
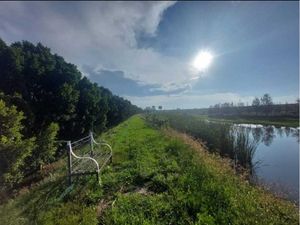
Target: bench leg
column 98, row 178
column 69, row 180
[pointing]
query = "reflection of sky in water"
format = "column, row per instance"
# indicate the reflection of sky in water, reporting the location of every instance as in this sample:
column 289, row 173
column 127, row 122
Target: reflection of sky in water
column 278, row 153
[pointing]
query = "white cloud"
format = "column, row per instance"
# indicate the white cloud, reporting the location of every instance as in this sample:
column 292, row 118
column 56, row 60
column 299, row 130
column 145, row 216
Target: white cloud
column 99, row 34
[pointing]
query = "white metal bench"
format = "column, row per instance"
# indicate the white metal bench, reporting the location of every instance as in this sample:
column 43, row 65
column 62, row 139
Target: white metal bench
column 87, row 157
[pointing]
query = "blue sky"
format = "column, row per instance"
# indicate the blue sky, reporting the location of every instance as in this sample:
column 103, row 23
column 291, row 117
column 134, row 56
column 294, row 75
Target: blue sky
column 143, row 50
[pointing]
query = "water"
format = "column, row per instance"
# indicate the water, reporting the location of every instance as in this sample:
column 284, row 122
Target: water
column 276, row 158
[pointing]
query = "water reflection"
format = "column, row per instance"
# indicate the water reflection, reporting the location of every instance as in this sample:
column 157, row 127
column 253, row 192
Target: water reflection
column 275, row 162
column 296, row 135
column 257, row 134
column 280, row 132
column 266, row 134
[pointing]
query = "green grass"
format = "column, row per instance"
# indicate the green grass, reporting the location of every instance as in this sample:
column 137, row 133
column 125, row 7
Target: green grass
column 155, row 178
column 278, row 122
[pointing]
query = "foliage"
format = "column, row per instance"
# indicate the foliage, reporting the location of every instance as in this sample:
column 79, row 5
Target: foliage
column 51, row 100
column 266, row 100
column 14, row 149
column 46, row 146
column 256, row 102
column 57, row 92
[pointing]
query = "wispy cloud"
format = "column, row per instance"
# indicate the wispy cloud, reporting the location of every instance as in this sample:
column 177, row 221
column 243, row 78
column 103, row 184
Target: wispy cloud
column 102, row 35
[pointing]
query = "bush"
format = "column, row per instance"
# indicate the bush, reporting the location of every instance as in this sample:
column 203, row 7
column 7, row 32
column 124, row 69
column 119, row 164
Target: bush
column 14, row 149
column 46, row 146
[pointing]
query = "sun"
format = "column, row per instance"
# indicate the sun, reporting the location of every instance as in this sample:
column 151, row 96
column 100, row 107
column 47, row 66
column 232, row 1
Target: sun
column 203, row 60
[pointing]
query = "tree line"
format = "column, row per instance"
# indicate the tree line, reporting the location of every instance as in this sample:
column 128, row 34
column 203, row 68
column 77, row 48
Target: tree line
column 263, row 106
column 43, row 98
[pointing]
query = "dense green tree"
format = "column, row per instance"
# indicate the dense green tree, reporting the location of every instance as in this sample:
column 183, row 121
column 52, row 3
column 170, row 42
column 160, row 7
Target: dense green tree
column 14, row 149
column 55, row 91
column 47, row 98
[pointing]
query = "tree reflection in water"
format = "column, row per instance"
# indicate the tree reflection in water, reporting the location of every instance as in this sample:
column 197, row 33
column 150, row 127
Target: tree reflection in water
column 257, row 134
column 266, row 134
column 269, row 135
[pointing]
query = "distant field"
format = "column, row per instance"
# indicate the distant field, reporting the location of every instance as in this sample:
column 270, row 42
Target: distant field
column 286, row 122
column 157, row 177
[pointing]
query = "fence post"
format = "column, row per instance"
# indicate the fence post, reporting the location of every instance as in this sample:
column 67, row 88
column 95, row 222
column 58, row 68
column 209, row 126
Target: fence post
column 92, row 144
column 69, row 164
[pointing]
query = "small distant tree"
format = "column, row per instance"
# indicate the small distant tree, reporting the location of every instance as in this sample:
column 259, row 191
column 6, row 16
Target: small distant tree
column 153, row 107
column 217, row 106
column 160, row 107
column 267, row 102
column 256, row 104
column 148, row 109
column 241, row 104
column 225, row 105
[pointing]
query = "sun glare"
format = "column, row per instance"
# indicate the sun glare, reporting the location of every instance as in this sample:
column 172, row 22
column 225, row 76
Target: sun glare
column 202, row 60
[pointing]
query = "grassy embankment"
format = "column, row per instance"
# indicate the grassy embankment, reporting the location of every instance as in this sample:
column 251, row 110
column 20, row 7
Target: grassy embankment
column 157, row 177
column 277, row 122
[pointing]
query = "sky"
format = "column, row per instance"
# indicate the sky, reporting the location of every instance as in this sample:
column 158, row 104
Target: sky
column 144, row 51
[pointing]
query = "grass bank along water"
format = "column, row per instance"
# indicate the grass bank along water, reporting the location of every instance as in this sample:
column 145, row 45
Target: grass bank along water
column 155, row 178
column 274, row 166
column 232, row 142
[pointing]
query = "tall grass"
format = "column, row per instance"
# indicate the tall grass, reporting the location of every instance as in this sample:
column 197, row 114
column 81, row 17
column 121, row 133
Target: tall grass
column 244, row 147
column 228, row 141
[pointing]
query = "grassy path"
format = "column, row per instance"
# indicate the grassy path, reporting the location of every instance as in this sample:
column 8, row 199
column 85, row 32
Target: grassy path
column 156, row 178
